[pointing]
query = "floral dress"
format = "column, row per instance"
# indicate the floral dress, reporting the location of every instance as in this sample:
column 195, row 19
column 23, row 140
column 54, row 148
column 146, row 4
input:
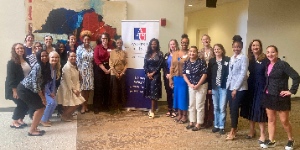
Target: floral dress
column 85, row 58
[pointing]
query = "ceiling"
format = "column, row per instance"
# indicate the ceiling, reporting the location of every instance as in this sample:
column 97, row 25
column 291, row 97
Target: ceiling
column 201, row 4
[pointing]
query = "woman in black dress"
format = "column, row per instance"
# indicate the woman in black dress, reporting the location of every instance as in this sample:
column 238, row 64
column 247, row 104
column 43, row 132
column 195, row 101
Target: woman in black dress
column 152, row 65
column 277, row 95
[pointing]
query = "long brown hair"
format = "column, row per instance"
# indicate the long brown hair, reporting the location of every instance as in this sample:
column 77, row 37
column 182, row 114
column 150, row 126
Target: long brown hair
column 14, row 56
column 261, row 56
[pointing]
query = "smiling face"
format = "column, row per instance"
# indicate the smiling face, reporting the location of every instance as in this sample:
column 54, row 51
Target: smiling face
column 72, row 57
column 61, row 48
column 153, row 45
column 44, row 57
column 218, row 51
column 184, row 43
column 272, row 54
column 104, row 40
column 237, row 48
column 256, row 48
column 193, row 53
column 19, row 49
column 205, row 41
column 37, row 47
column 53, row 58
column 29, row 39
column 86, row 40
column 48, row 41
column 172, row 45
column 119, row 44
column 72, row 40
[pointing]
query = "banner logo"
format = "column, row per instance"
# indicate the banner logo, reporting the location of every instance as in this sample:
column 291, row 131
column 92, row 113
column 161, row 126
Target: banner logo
column 140, row 34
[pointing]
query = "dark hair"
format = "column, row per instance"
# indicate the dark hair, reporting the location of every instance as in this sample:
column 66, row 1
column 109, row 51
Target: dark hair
column 34, row 47
column 27, row 35
column 221, row 47
column 45, row 68
column 62, row 55
column 149, row 50
column 261, row 56
column 237, row 38
column 48, row 35
column 69, row 35
column 98, row 41
column 68, row 55
column 276, row 49
column 185, row 36
column 14, row 55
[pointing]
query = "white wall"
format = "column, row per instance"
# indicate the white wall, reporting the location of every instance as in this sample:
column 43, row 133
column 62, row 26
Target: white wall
column 277, row 22
column 222, row 22
column 12, row 26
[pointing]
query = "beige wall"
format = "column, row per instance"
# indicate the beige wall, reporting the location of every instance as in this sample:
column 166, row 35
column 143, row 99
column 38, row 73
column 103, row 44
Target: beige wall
column 222, row 23
column 13, row 24
column 276, row 22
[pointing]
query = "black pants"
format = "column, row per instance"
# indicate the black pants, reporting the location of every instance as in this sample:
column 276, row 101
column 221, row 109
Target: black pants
column 21, row 109
column 234, row 105
column 117, row 92
column 101, row 88
column 169, row 92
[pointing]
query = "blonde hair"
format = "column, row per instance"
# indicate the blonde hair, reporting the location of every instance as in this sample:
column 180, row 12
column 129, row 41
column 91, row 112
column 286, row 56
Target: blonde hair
column 57, row 66
column 84, row 33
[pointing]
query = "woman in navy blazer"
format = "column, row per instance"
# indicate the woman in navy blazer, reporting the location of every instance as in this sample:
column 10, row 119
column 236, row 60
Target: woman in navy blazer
column 277, row 95
column 236, row 83
column 217, row 77
column 17, row 69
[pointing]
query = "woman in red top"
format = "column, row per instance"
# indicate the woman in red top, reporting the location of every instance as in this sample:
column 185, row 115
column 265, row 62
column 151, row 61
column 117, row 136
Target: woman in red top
column 102, row 73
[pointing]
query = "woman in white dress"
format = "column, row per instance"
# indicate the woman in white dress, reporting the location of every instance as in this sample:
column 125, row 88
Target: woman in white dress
column 68, row 93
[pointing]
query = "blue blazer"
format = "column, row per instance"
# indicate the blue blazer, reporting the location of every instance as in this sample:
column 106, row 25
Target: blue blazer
column 237, row 76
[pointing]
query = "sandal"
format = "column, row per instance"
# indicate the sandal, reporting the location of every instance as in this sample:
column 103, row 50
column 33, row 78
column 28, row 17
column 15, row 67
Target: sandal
column 17, row 127
column 176, row 120
column 190, row 126
column 39, row 134
column 151, row 114
column 230, row 137
column 168, row 114
column 183, row 121
column 174, row 114
column 195, row 128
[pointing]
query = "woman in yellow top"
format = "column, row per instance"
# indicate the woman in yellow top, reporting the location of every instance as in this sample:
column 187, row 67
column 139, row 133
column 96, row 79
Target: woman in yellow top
column 118, row 65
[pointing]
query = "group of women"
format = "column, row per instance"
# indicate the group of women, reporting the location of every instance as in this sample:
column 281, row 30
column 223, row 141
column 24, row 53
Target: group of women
column 191, row 79
column 42, row 76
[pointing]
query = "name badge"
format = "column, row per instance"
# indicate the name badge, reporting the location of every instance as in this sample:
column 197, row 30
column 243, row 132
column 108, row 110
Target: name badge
column 166, row 57
column 109, row 50
column 187, row 71
column 225, row 63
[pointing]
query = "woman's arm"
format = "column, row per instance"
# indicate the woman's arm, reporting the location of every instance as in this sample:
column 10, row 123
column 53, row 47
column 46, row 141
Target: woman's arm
column 242, row 73
column 294, row 75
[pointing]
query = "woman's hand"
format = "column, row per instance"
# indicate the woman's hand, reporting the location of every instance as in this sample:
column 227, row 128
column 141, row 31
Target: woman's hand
column 191, row 86
column 285, row 93
column 15, row 94
column 209, row 92
column 76, row 92
column 44, row 101
column 52, row 95
column 150, row 75
column 168, row 76
column 233, row 94
column 171, row 85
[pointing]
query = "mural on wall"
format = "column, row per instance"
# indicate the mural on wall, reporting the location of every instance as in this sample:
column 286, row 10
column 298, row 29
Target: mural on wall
column 61, row 18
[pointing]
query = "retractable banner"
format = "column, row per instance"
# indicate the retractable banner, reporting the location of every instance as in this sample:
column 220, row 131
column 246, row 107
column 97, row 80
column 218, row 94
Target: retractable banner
column 136, row 35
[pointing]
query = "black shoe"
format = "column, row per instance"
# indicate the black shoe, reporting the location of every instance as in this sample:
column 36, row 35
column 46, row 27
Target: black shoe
column 214, row 130
column 189, row 126
column 222, row 131
column 270, row 143
column 289, row 145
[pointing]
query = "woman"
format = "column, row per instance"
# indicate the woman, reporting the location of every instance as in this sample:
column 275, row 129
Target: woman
column 236, row 83
column 102, row 74
column 277, row 95
column 50, row 88
column 173, row 46
column 152, row 64
column 251, row 108
column 48, row 40
column 68, row 93
column 85, row 55
column 217, row 77
column 29, row 39
column 37, row 46
column 118, row 65
column 195, row 74
column 61, row 50
column 31, row 88
column 177, row 83
column 71, row 46
column 206, row 53
column 17, row 69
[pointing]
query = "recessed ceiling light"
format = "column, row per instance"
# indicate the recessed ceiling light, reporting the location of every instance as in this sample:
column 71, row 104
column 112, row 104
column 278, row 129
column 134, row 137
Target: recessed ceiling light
column 190, row 5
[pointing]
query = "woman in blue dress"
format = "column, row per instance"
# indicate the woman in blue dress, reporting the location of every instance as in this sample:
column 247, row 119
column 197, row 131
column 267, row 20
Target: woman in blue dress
column 152, row 64
column 252, row 109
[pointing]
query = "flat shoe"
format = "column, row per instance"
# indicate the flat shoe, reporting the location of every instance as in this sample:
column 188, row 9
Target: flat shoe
column 230, row 137
column 189, row 126
column 40, row 134
column 195, row 129
column 24, row 125
column 16, row 127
